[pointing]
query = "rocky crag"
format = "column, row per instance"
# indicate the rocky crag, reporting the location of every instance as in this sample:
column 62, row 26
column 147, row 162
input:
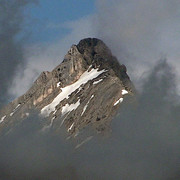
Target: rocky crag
column 85, row 90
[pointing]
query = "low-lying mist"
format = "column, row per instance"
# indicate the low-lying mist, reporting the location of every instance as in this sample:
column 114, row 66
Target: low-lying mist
column 144, row 143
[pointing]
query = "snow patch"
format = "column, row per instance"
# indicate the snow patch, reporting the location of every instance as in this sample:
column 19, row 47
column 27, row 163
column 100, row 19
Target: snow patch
column 85, row 107
column 96, row 82
column 15, row 109
column 124, row 92
column 2, row 119
column 71, row 127
column 64, row 119
column 121, row 99
column 12, row 114
column 83, row 142
column 66, row 91
column 68, row 108
column 79, row 90
column 118, row 101
column 58, row 84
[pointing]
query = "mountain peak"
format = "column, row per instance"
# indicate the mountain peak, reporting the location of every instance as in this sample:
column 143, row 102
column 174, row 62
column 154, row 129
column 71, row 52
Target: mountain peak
column 93, row 46
column 86, row 89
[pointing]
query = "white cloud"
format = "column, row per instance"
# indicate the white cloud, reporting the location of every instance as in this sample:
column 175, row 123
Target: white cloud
column 138, row 32
column 46, row 56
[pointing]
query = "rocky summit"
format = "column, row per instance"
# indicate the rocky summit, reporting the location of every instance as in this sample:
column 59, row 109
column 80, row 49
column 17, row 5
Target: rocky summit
column 85, row 90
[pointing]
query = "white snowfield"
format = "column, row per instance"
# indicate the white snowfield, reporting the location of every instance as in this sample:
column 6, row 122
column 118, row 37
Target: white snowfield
column 68, row 108
column 66, row 91
column 124, row 92
column 2, row 119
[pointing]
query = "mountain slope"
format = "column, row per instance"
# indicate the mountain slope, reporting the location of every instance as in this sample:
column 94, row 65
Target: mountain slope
column 86, row 89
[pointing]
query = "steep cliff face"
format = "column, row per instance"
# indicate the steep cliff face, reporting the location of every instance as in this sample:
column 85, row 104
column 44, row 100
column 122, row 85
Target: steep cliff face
column 86, row 89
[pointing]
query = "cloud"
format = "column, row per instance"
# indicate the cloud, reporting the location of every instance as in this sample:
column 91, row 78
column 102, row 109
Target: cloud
column 46, row 56
column 140, row 32
column 144, row 144
column 29, row 154
column 11, row 46
column 148, row 135
column 145, row 140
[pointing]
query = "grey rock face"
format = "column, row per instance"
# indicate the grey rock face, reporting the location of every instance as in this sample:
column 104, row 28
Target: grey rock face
column 85, row 90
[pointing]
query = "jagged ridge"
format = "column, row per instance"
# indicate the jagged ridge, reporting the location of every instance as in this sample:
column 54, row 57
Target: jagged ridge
column 85, row 89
